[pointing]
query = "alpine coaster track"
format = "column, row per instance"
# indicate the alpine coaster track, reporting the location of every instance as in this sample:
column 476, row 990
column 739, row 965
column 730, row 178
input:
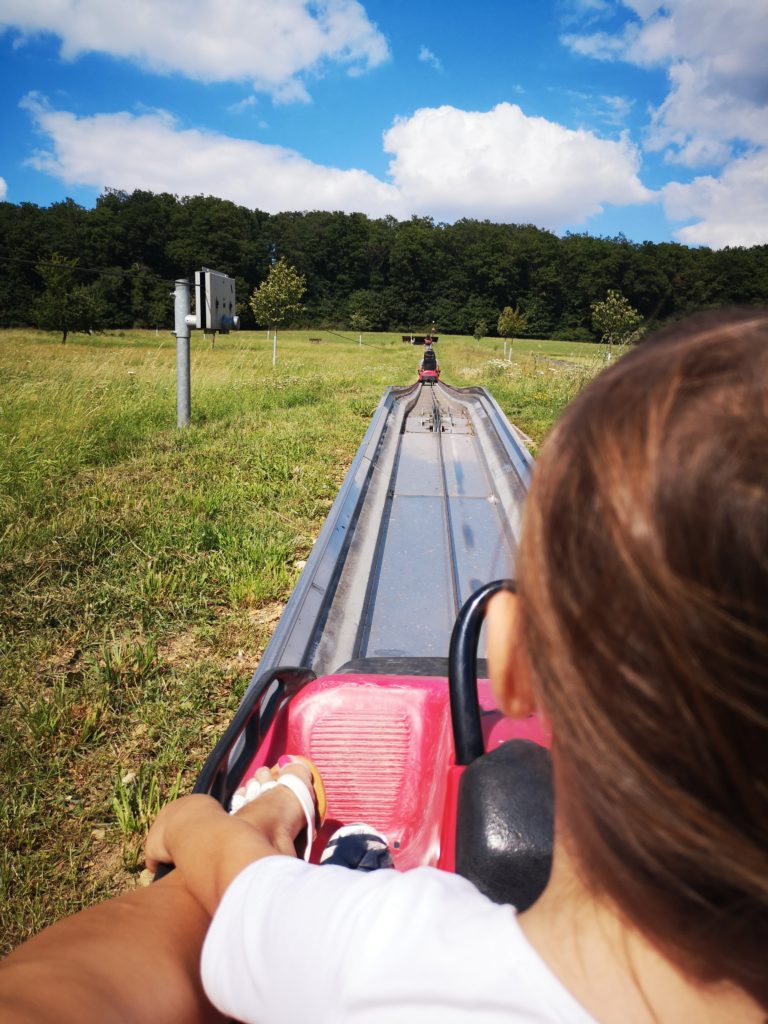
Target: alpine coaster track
column 429, row 511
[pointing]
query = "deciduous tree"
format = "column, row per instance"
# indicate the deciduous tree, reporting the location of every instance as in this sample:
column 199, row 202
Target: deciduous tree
column 615, row 318
column 279, row 296
column 359, row 322
column 512, row 323
column 65, row 305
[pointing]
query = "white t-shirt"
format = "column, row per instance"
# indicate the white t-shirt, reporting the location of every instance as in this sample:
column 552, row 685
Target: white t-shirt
column 292, row 943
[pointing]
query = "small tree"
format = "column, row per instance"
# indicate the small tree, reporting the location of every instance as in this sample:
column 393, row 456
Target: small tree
column 360, row 322
column 279, row 296
column 65, row 305
column 480, row 331
column 511, row 322
column 615, row 319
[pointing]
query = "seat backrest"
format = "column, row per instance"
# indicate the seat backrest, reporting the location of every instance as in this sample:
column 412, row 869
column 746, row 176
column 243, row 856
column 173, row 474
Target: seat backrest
column 505, row 823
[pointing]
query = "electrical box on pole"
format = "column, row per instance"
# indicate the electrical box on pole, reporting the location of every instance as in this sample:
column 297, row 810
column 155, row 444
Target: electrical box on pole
column 215, row 302
column 214, row 311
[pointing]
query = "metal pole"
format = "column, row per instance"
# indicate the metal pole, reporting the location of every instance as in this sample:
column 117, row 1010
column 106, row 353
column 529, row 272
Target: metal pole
column 183, row 395
column 360, row 339
column 274, row 348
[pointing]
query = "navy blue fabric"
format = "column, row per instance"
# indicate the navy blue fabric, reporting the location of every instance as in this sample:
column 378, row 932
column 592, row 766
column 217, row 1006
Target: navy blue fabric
column 364, row 852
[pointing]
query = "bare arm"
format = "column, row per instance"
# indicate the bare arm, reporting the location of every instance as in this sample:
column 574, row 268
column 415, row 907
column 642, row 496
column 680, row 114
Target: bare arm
column 135, row 959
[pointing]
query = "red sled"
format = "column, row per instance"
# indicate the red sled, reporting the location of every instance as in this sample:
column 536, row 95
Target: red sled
column 429, row 376
column 356, row 678
column 428, row 761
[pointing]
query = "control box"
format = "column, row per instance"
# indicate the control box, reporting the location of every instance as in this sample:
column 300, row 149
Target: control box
column 215, row 302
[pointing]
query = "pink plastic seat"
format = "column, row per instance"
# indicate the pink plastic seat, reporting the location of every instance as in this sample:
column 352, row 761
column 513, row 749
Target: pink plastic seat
column 384, row 749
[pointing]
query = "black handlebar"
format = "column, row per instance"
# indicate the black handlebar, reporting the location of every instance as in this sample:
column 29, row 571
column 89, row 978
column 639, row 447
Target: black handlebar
column 224, row 766
column 221, row 773
column 462, row 672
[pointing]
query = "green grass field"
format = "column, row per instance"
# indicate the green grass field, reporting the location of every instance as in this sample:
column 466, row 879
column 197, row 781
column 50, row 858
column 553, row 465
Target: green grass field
column 142, row 569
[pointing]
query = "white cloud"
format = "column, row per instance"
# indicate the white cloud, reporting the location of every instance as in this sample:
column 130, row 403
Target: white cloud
column 714, row 53
column 716, row 107
column 270, row 44
column 600, row 45
column 428, row 57
column 3, row 188
column 151, row 151
column 242, row 105
column 505, row 166
column 616, row 109
column 701, row 117
column 583, row 12
column 732, row 210
column 610, row 110
column 446, row 162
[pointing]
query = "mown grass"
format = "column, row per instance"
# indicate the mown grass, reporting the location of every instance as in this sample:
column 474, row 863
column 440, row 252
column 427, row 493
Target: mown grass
column 142, row 569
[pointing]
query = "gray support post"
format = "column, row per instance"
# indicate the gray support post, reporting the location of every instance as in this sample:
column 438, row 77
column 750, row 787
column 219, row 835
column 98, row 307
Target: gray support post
column 183, row 394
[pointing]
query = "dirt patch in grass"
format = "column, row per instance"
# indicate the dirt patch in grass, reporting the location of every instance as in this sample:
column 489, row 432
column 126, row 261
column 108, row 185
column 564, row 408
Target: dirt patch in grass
column 267, row 616
column 181, row 649
column 106, row 865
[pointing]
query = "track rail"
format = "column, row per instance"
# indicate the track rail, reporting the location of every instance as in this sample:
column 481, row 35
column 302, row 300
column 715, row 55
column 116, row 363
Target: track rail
column 437, row 421
column 428, row 512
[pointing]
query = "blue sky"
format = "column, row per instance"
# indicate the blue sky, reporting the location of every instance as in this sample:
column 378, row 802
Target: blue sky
column 604, row 116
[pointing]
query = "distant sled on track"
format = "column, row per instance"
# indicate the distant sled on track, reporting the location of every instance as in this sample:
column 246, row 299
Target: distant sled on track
column 429, row 370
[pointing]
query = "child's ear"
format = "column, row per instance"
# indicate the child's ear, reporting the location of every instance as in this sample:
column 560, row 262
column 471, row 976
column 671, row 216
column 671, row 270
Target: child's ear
column 507, row 664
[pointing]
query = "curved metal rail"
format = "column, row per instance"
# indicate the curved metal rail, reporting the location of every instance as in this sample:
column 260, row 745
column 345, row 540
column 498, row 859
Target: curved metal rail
column 428, row 512
column 437, row 427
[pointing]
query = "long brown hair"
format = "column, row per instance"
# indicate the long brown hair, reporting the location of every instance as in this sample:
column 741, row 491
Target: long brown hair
column 643, row 583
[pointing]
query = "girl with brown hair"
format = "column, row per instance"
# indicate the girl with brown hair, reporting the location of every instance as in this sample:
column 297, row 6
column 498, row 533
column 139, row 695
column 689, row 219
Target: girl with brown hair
column 643, row 635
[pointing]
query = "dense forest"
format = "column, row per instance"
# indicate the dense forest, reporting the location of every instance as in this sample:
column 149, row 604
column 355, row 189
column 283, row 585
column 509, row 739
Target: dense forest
column 376, row 274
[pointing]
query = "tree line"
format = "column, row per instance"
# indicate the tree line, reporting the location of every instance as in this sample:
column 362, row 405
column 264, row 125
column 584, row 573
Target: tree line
column 363, row 273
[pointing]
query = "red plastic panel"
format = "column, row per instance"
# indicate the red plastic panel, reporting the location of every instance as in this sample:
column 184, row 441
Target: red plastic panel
column 383, row 746
column 497, row 729
column 384, row 749
column 447, row 861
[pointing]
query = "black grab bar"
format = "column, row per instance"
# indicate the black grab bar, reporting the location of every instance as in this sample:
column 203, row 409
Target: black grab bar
column 462, row 672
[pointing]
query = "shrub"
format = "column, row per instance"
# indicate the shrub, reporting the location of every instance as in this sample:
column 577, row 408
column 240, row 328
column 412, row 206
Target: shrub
column 572, row 334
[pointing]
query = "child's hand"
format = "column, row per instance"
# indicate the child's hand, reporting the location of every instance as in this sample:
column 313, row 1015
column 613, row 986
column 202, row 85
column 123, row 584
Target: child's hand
column 192, row 811
column 210, row 847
